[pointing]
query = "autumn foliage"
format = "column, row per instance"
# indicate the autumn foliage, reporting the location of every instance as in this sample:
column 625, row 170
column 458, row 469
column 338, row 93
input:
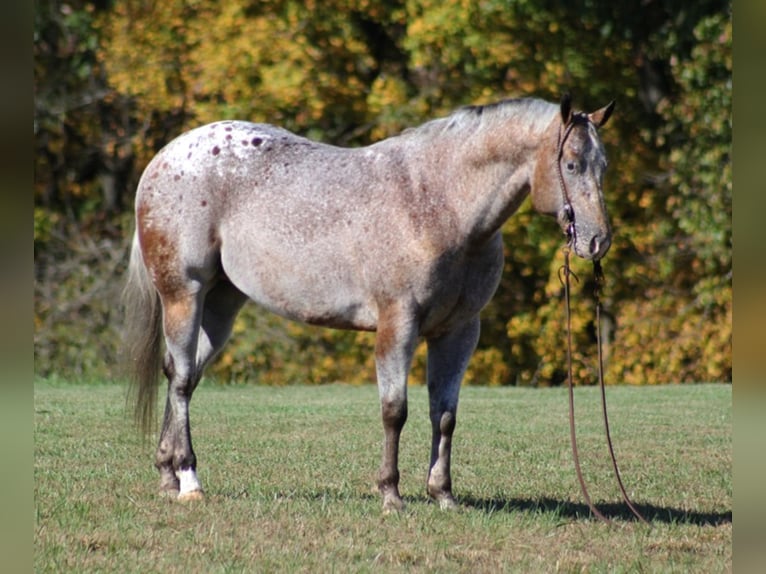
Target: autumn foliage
column 116, row 81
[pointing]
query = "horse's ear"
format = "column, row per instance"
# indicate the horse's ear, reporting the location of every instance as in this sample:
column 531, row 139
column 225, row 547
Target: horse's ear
column 600, row 117
column 566, row 108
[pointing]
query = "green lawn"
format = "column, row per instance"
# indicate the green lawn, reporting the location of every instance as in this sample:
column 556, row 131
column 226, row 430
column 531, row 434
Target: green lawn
column 289, row 475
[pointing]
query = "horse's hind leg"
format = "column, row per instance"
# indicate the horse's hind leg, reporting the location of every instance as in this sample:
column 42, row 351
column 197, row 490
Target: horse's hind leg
column 175, row 457
column 448, row 358
column 196, row 329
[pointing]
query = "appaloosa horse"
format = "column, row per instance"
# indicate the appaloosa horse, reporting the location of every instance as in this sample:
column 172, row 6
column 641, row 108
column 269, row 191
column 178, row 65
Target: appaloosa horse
column 401, row 237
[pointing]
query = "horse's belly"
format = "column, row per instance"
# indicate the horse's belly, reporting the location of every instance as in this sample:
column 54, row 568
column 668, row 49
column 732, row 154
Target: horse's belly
column 322, row 295
column 321, row 310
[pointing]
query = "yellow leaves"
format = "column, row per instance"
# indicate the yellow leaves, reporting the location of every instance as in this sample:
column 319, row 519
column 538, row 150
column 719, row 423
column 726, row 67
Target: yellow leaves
column 370, row 69
column 226, row 360
column 239, row 326
column 145, row 50
column 554, row 73
column 663, row 339
column 487, row 367
column 645, row 201
column 657, row 338
column 387, row 95
column 386, row 92
column 287, row 63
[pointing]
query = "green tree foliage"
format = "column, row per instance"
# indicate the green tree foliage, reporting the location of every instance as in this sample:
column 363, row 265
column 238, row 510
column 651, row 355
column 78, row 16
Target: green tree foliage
column 116, row 81
column 681, row 318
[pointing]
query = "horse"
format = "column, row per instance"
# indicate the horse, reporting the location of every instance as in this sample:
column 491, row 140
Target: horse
column 401, row 237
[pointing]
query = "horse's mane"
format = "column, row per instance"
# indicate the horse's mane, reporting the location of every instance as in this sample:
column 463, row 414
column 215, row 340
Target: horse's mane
column 470, row 117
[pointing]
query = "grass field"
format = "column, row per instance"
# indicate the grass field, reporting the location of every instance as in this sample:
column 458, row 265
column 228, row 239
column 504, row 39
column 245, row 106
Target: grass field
column 288, row 474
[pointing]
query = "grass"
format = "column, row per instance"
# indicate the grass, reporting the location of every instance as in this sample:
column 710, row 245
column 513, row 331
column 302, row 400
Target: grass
column 288, row 474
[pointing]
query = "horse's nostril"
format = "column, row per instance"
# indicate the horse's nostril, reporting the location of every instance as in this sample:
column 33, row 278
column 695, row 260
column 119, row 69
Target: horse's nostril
column 599, row 245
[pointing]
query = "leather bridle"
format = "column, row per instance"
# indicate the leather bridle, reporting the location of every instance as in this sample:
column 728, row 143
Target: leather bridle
column 569, row 213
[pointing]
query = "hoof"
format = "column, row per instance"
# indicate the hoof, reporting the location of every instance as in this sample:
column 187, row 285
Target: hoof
column 191, row 496
column 447, row 503
column 443, row 497
column 169, row 493
column 392, row 507
column 392, row 501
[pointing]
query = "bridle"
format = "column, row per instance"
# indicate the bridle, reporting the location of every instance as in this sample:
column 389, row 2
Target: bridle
column 564, row 276
column 569, row 214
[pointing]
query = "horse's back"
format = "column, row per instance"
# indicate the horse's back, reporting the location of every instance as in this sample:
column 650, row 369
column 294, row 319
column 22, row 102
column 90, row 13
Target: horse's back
column 266, row 207
column 223, row 154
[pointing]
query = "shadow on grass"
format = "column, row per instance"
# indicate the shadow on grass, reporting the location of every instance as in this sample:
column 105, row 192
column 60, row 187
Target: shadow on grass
column 563, row 509
column 612, row 510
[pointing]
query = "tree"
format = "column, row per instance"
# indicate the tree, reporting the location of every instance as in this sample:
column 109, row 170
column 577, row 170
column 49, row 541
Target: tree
column 116, row 81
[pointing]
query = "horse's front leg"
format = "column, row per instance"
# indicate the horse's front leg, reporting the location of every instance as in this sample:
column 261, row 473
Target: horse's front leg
column 394, row 346
column 448, row 357
column 175, row 459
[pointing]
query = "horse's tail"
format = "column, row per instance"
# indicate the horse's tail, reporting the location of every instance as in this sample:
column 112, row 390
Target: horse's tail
column 142, row 338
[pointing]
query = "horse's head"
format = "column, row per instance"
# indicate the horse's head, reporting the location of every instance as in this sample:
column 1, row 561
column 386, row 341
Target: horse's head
column 568, row 177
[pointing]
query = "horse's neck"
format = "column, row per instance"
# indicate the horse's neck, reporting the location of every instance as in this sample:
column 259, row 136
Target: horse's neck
column 485, row 170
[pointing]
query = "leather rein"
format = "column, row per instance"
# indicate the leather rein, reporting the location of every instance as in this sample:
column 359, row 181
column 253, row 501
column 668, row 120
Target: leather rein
column 564, row 276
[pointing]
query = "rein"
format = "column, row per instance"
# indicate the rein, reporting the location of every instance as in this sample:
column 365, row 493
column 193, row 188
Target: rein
column 564, row 274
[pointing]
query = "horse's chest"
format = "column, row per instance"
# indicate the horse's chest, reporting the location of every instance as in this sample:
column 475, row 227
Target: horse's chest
column 463, row 289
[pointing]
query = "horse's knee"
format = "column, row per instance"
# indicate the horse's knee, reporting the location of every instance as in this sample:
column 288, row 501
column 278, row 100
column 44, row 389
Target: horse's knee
column 446, row 423
column 394, row 413
column 181, row 386
column 443, row 423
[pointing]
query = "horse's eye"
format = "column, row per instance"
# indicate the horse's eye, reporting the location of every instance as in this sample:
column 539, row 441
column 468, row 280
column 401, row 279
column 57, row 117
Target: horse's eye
column 571, row 166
